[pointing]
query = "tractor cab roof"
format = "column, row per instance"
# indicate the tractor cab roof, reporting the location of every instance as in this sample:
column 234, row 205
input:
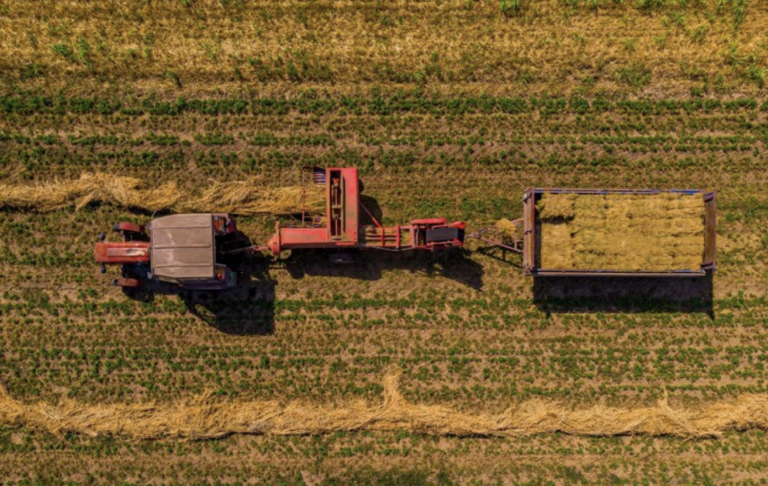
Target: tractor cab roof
column 183, row 247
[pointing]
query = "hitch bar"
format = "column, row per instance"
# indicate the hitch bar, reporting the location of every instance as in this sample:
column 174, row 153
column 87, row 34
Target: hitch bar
column 493, row 232
column 247, row 249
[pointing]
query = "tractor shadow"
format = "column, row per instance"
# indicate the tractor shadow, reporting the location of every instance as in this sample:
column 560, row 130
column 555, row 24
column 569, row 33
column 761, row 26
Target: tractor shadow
column 248, row 309
column 624, row 294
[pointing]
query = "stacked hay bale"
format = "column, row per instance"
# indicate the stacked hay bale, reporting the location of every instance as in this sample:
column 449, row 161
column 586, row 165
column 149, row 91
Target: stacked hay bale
column 627, row 232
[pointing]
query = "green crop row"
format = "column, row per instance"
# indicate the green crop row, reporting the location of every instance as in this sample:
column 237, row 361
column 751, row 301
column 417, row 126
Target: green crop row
column 402, row 102
column 597, row 159
column 396, row 130
column 427, row 140
column 542, row 370
column 281, row 460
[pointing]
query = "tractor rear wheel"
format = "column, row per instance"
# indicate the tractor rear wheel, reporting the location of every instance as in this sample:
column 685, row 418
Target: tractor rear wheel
column 130, row 231
column 128, row 226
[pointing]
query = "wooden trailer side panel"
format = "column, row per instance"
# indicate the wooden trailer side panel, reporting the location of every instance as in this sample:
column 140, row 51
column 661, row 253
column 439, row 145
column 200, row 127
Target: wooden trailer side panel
column 710, row 232
column 529, row 232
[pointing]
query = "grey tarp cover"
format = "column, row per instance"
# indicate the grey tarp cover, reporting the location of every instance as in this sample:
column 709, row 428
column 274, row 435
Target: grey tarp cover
column 183, row 246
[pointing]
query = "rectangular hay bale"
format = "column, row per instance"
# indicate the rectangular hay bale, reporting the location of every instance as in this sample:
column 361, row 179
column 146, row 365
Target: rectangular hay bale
column 622, row 232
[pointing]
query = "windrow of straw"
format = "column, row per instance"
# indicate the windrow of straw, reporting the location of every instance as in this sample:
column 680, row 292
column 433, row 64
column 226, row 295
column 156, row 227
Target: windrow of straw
column 205, row 417
column 628, row 232
column 98, row 187
column 252, row 197
column 247, row 197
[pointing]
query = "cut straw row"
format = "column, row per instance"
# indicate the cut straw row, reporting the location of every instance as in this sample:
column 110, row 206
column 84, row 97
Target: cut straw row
column 206, row 417
column 248, row 197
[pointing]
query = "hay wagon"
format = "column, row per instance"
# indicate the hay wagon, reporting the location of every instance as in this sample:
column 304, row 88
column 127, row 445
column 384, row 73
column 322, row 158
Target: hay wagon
column 611, row 232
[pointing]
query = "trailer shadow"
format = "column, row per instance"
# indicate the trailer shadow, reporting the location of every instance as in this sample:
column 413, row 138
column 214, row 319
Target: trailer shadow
column 624, row 294
column 453, row 264
column 371, row 210
column 498, row 254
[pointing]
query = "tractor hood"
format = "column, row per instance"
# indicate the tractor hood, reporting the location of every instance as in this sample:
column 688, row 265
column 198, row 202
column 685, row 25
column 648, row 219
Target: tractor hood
column 183, row 247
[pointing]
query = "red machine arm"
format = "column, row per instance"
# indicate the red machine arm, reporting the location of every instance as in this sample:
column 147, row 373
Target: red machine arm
column 342, row 227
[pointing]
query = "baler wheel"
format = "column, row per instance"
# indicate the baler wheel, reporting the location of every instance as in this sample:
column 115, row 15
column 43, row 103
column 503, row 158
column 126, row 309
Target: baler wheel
column 342, row 258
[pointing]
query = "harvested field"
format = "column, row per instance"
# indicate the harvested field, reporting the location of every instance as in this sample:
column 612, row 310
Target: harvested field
column 629, row 232
column 110, row 111
column 472, row 335
column 603, row 46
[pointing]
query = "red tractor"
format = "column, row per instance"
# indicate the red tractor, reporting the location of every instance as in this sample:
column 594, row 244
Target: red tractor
column 188, row 249
column 182, row 249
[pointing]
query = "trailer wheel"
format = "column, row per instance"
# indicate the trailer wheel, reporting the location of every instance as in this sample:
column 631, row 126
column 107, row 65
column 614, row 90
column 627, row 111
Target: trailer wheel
column 342, row 258
column 125, row 282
